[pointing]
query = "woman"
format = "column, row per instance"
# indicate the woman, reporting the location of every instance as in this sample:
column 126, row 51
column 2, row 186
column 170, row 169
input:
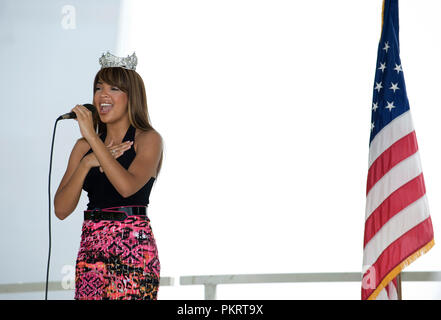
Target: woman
column 116, row 161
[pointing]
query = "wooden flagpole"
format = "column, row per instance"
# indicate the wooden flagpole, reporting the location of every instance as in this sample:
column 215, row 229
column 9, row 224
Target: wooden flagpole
column 400, row 297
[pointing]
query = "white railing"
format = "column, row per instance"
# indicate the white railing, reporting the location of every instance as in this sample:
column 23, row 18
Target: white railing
column 56, row 286
column 210, row 282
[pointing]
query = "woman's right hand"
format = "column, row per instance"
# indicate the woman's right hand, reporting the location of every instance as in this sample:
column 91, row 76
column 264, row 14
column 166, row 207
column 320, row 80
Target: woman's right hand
column 116, row 151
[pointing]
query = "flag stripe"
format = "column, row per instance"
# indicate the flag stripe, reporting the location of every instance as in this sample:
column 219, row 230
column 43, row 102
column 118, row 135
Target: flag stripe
column 397, row 201
column 399, row 151
column 402, row 173
column 401, row 126
column 400, row 254
column 392, row 230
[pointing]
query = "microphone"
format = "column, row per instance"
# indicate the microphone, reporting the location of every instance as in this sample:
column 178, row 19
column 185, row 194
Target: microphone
column 72, row 115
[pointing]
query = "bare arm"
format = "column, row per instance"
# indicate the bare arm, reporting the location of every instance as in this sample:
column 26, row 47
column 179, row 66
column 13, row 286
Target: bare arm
column 128, row 182
column 69, row 190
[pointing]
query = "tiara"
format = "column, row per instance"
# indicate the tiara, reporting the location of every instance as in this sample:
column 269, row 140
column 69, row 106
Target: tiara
column 108, row 60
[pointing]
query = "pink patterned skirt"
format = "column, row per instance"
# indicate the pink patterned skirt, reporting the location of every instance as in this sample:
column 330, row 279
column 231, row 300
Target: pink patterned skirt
column 117, row 260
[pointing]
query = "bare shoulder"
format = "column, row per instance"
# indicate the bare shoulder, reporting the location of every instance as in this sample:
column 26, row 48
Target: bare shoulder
column 80, row 149
column 82, row 145
column 150, row 139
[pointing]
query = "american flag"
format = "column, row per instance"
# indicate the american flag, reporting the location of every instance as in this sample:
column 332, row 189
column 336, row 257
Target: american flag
column 398, row 228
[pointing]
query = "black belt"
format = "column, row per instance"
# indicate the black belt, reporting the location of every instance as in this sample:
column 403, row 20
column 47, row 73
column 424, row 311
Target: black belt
column 114, row 213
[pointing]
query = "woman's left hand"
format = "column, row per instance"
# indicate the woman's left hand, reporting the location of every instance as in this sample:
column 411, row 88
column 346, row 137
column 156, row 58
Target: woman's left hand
column 85, row 121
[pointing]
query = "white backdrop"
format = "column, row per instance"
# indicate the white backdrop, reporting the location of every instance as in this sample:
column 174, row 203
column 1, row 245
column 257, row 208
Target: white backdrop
column 264, row 108
column 265, row 111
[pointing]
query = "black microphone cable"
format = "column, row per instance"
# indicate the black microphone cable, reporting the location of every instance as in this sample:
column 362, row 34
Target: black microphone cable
column 50, row 204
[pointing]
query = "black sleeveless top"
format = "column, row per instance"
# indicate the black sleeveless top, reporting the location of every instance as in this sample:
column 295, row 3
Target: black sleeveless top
column 101, row 192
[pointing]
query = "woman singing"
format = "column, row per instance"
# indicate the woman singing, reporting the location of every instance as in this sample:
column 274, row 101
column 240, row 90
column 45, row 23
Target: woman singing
column 116, row 161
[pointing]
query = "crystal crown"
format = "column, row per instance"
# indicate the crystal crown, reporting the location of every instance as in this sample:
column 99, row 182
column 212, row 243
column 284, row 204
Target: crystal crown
column 109, row 60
